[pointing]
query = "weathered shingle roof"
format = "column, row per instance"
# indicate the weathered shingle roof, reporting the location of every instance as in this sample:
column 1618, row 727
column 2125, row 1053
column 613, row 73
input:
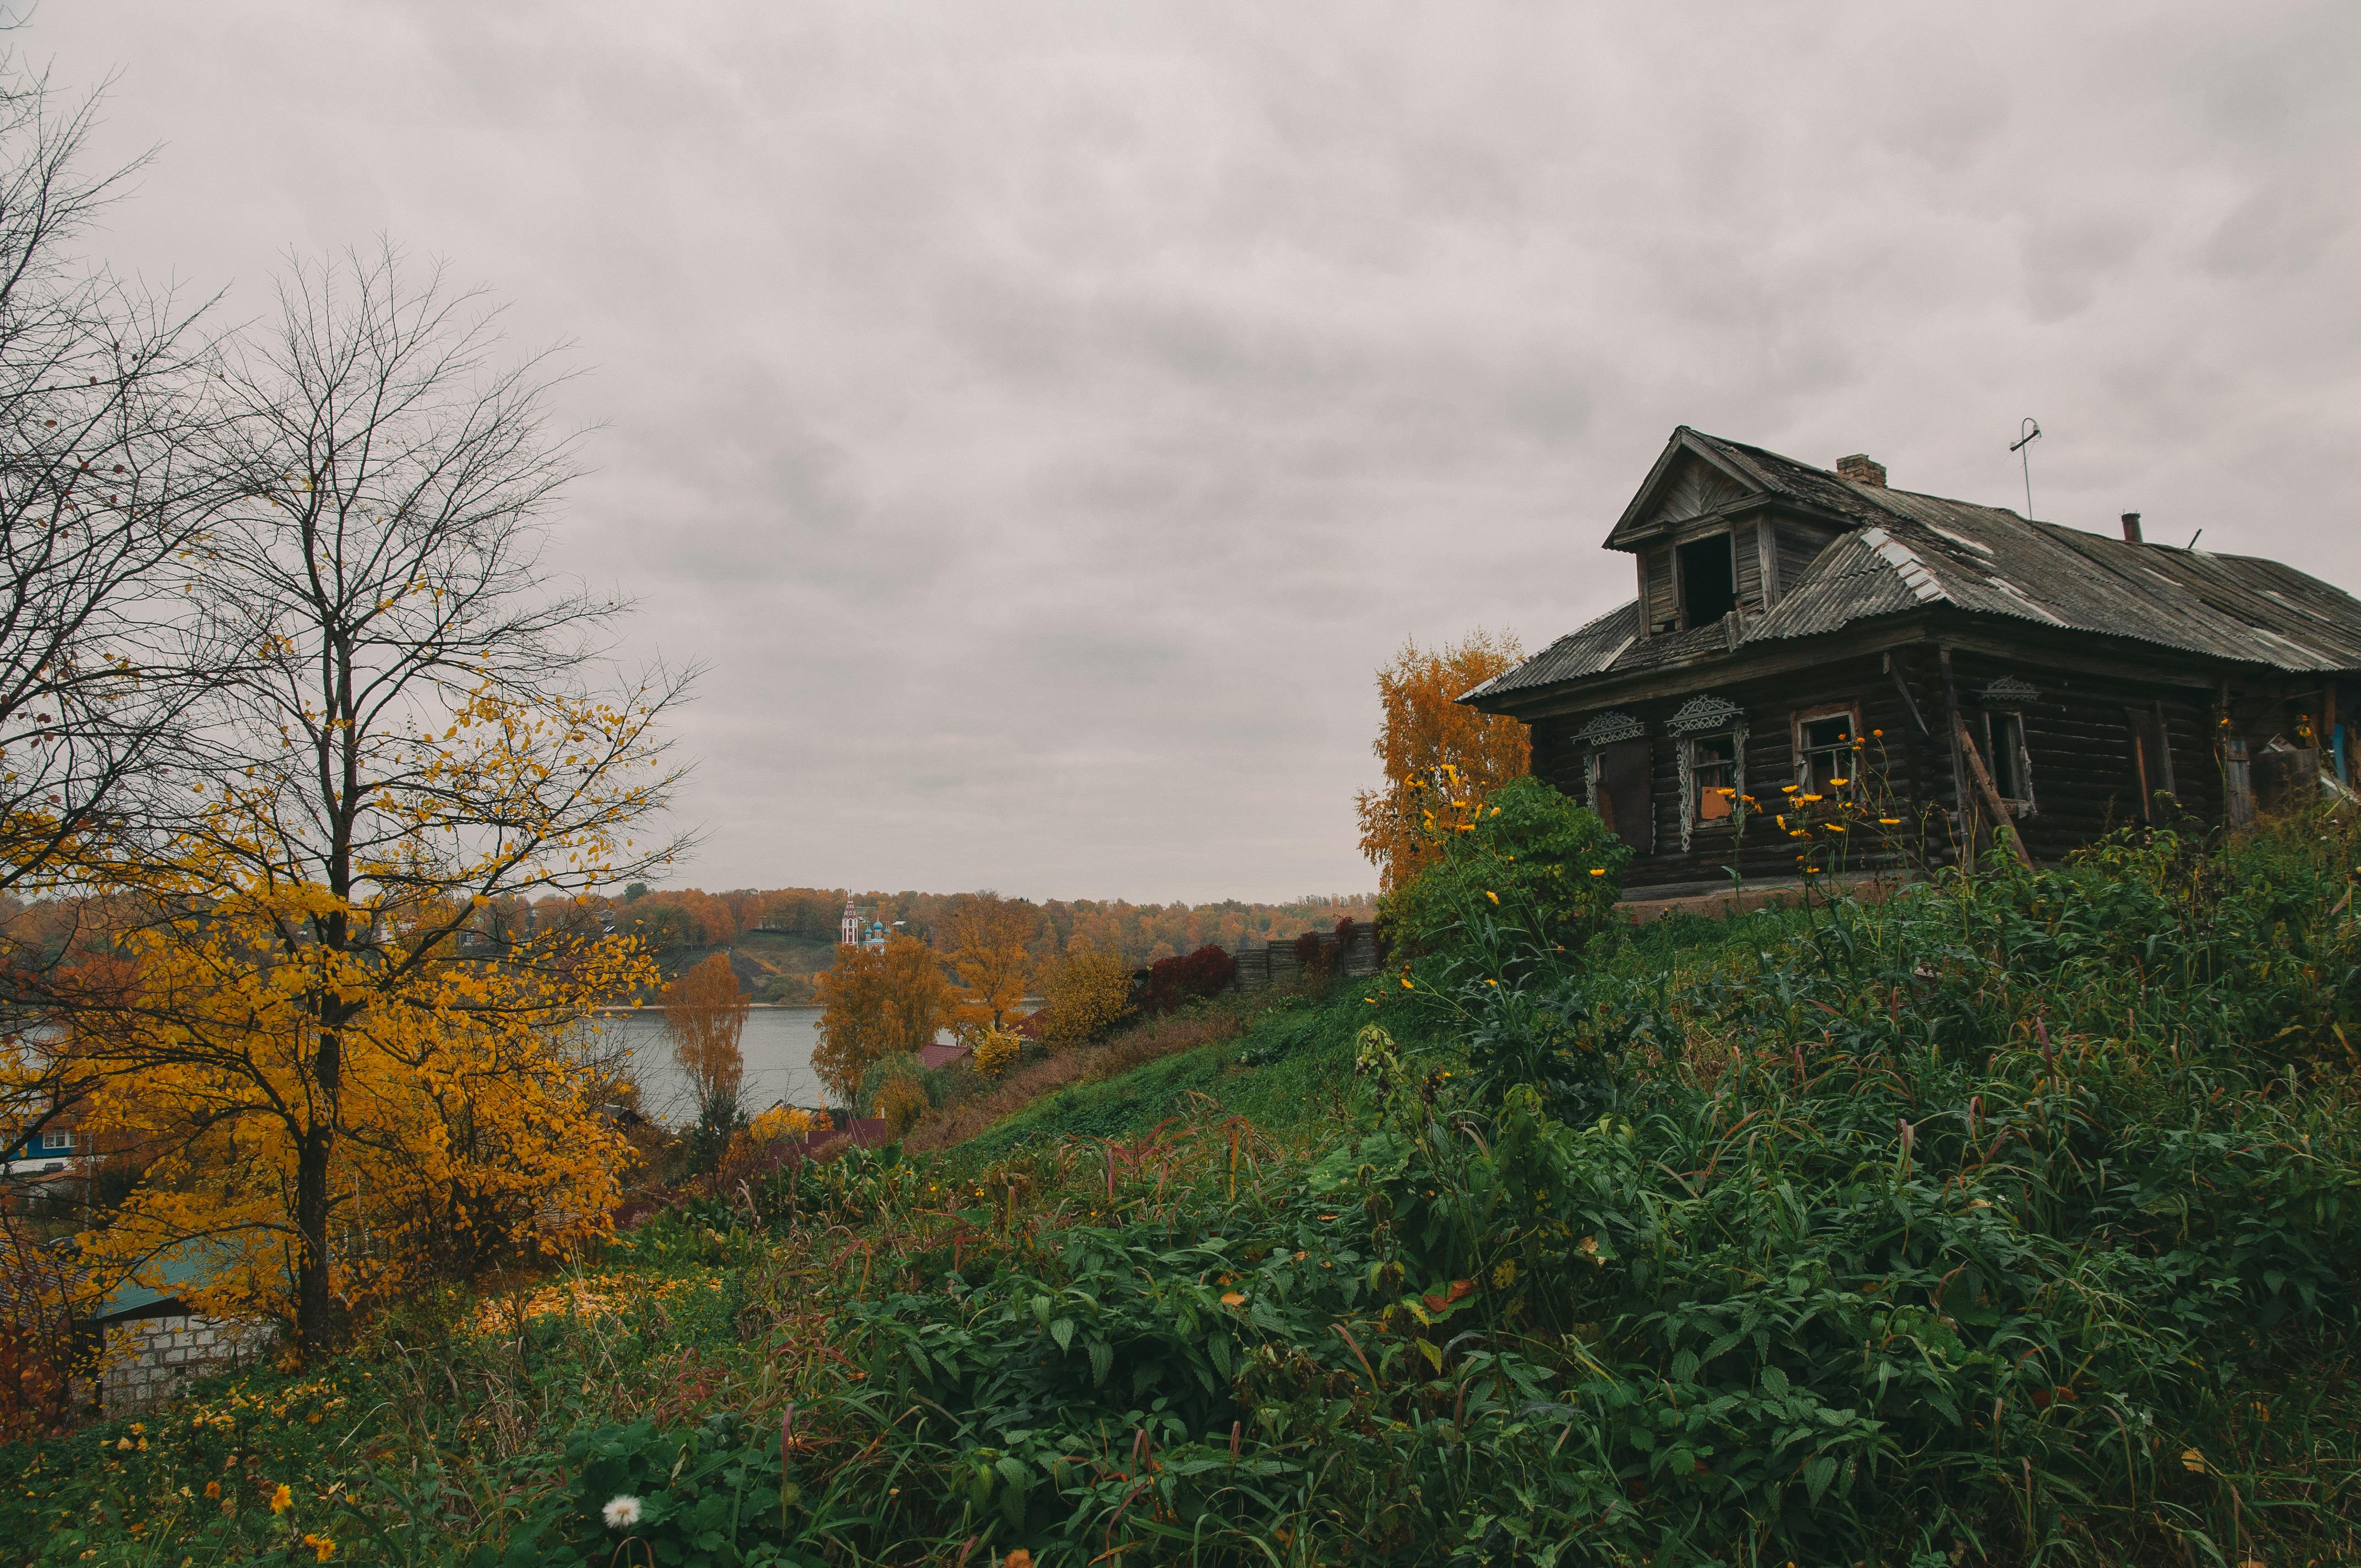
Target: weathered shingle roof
column 1911, row 551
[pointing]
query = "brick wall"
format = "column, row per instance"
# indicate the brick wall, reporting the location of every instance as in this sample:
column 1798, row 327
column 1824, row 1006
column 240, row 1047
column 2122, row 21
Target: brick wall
column 148, row 1360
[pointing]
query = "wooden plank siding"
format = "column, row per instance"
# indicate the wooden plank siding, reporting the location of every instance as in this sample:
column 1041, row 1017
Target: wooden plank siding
column 1748, row 561
column 1663, row 610
column 1797, row 544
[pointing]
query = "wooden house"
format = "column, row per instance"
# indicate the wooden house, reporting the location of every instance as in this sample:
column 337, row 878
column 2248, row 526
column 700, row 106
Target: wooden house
column 1792, row 626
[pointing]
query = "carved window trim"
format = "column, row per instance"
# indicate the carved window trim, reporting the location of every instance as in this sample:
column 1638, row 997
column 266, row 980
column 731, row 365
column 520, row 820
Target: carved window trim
column 1609, row 728
column 1706, row 712
column 1710, row 718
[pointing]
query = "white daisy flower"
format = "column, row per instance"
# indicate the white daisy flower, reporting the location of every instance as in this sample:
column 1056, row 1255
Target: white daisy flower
column 622, row 1513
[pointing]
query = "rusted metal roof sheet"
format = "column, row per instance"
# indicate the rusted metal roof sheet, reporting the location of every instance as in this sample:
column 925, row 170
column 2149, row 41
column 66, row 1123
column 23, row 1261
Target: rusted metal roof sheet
column 1910, row 551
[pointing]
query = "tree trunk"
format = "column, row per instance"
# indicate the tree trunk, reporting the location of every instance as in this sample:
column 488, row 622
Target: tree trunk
column 312, row 1323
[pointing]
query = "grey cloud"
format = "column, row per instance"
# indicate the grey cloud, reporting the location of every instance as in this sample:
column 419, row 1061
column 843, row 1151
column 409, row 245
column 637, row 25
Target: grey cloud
column 1041, row 418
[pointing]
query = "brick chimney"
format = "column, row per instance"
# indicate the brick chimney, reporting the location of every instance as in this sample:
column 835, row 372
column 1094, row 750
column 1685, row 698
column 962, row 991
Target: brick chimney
column 1862, row 470
column 2131, row 528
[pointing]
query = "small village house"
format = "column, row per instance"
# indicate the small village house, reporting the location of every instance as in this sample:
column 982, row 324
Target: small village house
column 1794, row 626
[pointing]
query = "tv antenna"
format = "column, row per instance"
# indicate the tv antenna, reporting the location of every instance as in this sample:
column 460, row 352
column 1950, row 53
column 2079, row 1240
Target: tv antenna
column 2027, row 433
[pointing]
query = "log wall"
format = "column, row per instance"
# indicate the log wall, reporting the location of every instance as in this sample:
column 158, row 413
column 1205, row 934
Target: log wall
column 2079, row 732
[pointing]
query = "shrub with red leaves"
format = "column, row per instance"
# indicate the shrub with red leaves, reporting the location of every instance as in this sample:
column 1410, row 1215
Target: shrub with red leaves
column 1169, row 982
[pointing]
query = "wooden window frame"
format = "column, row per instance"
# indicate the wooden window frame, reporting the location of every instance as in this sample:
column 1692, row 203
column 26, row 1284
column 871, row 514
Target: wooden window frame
column 1693, row 822
column 2018, row 804
column 1847, row 711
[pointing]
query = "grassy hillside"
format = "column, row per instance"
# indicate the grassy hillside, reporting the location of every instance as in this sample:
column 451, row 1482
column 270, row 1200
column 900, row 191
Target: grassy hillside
column 2014, row 1220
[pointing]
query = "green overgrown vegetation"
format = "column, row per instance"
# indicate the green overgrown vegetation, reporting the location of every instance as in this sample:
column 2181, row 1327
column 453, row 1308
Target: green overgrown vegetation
column 2009, row 1221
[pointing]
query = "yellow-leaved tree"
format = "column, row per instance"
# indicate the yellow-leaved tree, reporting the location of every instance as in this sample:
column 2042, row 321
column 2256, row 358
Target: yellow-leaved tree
column 987, row 939
column 337, row 1076
column 877, row 1004
column 705, row 1014
column 1083, row 994
column 1438, row 755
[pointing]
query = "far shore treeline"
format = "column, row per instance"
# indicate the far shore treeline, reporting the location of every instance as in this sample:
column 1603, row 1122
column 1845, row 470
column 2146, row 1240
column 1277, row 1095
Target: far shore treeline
column 778, row 939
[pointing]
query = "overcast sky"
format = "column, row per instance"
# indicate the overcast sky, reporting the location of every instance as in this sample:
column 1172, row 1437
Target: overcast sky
column 1043, row 419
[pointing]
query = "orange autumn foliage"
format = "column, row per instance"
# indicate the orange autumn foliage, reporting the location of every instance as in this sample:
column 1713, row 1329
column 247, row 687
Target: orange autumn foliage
column 705, row 1014
column 1432, row 745
column 878, row 1004
column 987, row 939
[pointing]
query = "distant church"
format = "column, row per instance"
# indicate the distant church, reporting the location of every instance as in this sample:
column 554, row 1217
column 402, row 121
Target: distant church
column 859, row 930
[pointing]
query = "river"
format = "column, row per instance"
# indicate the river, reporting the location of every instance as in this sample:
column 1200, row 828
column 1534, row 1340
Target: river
column 777, row 1046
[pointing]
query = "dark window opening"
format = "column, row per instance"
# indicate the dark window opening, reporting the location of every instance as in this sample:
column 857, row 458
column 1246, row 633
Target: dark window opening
column 2004, row 755
column 1708, row 581
column 1623, row 803
column 1713, row 774
column 1829, row 757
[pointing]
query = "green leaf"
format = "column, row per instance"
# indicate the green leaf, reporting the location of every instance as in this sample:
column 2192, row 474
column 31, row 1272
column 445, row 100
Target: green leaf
column 1817, row 1474
column 1063, row 1331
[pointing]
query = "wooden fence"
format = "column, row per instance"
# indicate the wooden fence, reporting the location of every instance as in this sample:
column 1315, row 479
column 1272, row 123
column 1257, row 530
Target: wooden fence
column 1274, row 962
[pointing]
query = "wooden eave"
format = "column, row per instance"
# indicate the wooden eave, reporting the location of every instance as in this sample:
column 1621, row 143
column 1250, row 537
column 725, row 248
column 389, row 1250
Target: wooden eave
column 2112, row 658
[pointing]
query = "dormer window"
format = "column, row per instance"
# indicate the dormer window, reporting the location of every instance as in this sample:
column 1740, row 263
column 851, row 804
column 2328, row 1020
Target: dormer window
column 1708, row 580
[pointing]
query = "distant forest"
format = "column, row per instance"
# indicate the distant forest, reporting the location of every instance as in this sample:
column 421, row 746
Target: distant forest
column 779, row 937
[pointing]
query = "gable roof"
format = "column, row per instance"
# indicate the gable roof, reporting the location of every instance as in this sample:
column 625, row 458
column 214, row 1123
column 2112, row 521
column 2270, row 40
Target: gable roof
column 1909, row 551
column 1698, row 475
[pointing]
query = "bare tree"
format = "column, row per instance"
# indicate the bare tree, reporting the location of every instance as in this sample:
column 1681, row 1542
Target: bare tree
column 105, row 496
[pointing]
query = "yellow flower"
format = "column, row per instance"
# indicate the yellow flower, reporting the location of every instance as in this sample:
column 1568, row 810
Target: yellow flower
column 1838, row 783
column 1407, row 985
column 1811, row 798
column 1891, row 821
column 1490, row 895
column 1598, row 871
column 1233, row 1298
column 322, row 1547
column 282, row 1499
